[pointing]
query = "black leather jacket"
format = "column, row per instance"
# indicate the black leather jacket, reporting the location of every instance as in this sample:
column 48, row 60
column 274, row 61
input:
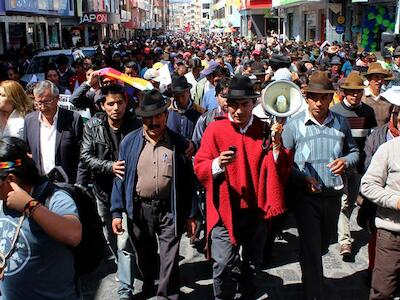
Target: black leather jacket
column 97, row 151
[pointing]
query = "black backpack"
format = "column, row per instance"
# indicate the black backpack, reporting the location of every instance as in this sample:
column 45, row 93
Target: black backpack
column 90, row 252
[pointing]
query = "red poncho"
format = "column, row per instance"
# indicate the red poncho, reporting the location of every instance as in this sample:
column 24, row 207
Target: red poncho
column 252, row 181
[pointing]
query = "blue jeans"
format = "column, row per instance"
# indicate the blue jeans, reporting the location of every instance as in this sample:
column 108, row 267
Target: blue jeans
column 126, row 261
column 120, row 247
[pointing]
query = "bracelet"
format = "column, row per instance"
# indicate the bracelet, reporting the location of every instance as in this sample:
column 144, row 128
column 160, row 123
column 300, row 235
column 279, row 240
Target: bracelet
column 32, row 210
column 30, row 206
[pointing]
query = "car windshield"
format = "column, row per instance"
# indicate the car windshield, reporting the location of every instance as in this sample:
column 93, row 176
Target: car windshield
column 40, row 63
column 89, row 52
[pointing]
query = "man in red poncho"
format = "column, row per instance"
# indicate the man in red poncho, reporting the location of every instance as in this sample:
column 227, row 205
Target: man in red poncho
column 244, row 184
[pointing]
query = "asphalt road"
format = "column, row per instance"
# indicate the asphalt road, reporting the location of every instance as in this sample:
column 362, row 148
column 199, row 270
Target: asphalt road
column 280, row 280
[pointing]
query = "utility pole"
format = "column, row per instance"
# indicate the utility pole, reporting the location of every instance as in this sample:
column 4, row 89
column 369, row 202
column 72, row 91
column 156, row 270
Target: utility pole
column 151, row 17
column 397, row 26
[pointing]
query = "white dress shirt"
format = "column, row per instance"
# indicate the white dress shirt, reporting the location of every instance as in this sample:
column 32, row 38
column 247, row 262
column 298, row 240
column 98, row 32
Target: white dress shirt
column 48, row 143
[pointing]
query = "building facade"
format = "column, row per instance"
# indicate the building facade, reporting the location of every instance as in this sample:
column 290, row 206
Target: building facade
column 37, row 23
column 225, row 16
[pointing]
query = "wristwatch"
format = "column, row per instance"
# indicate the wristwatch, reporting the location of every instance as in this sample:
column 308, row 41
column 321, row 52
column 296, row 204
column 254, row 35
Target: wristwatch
column 30, row 207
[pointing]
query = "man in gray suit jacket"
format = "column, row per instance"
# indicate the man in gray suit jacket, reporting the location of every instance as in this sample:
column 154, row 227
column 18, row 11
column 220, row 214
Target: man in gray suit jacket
column 53, row 134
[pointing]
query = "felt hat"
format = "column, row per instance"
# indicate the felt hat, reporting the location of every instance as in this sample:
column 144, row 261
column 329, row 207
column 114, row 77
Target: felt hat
column 376, row 68
column 153, row 104
column 305, row 58
column 385, row 52
column 397, row 51
column 392, row 95
column 336, row 60
column 241, row 88
column 320, row 83
column 353, row 82
column 179, row 84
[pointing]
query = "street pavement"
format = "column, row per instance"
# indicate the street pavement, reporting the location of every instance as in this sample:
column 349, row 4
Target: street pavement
column 280, row 280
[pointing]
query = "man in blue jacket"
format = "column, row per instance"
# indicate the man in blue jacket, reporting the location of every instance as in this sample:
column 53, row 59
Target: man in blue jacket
column 156, row 193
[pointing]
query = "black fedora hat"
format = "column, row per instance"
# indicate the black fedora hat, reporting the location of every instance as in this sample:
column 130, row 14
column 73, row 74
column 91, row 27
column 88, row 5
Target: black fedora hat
column 180, row 84
column 241, row 87
column 153, row 104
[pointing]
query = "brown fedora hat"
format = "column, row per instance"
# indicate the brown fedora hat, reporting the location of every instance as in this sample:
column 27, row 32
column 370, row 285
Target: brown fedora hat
column 353, row 82
column 376, row 68
column 320, row 83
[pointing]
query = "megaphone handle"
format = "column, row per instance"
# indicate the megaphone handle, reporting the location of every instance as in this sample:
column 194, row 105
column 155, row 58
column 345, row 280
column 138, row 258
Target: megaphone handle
column 266, row 134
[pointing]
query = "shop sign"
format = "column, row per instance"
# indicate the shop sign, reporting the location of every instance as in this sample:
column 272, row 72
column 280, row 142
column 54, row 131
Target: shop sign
column 341, row 20
column 286, row 2
column 340, row 29
column 100, row 18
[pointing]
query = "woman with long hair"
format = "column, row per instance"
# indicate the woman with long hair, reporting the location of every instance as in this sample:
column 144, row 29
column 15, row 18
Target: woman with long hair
column 14, row 106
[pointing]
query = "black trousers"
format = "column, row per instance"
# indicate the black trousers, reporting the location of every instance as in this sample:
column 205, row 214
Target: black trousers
column 230, row 274
column 317, row 217
column 152, row 219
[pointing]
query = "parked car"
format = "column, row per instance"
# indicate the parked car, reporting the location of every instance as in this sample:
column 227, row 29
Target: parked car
column 43, row 59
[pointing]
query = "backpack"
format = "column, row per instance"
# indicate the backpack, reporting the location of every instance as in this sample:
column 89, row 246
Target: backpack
column 90, row 252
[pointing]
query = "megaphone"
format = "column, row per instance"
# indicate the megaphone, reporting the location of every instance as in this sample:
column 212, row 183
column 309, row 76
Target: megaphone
column 281, row 98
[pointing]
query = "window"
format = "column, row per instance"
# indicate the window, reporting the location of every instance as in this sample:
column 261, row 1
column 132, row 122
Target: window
column 206, row 5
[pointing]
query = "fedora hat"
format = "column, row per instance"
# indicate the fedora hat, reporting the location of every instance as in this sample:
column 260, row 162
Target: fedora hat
column 240, row 88
column 180, row 84
column 397, row 51
column 333, row 49
column 353, row 82
column 320, row 83
column 336, row 60
column 376, row 68
column 153, row 104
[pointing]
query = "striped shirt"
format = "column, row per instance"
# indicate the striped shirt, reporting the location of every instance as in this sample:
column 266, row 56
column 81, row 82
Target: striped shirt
column 316, row 145
column 361, row 120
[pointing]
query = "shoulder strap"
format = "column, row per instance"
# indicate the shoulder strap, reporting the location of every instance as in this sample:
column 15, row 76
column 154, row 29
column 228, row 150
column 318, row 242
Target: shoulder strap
column 43, row 191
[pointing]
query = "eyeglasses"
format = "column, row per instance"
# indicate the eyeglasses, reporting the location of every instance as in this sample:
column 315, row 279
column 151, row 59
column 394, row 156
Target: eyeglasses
column 43, row 102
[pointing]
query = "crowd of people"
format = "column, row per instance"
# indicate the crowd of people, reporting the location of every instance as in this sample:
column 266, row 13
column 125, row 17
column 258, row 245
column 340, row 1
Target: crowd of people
column 199, row 152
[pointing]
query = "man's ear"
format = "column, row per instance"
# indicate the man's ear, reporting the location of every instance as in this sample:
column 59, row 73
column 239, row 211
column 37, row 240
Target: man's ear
column 102, row 106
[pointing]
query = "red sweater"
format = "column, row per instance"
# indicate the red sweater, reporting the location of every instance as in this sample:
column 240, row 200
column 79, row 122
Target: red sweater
column 252, row 181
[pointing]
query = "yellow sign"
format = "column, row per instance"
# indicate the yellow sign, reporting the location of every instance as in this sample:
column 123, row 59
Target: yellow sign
column 341, row 20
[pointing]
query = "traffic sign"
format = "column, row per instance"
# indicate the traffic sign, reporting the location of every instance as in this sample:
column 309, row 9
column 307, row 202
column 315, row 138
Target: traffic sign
column 340, row 29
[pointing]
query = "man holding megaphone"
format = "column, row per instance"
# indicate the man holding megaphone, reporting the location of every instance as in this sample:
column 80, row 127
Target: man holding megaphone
column 324, row 149
column 244, row 184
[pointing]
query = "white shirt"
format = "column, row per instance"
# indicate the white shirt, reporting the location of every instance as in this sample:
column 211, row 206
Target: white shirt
column 14, row 126
column 48, row 143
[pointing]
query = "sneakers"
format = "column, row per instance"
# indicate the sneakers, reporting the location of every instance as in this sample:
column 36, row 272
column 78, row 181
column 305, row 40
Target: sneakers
column 345, row 250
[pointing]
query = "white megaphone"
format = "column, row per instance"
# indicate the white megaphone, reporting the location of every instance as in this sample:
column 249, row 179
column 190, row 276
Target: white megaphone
column 281, row 99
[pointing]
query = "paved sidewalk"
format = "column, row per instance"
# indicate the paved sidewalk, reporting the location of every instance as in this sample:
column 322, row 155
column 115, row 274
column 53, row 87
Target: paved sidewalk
column 281, row 280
